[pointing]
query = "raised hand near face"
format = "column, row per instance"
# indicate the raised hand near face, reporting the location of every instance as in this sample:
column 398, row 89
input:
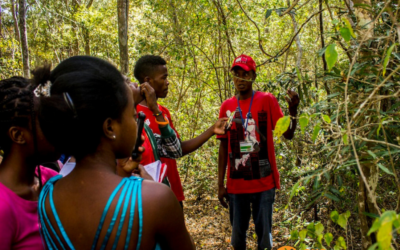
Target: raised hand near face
column 150, row 95
column 293, row 100
column 137, row 96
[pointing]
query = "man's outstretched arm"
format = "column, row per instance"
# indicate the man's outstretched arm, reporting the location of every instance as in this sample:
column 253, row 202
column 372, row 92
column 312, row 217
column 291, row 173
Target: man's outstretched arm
column 191, row 145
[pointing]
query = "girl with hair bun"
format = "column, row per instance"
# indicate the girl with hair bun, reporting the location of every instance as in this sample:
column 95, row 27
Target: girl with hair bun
column 24, row 147
column 89, row 113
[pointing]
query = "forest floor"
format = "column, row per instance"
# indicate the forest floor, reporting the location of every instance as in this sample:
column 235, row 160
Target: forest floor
column 208, row 223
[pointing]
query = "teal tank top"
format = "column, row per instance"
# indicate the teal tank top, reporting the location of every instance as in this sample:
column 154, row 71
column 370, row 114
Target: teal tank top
column 131, row 190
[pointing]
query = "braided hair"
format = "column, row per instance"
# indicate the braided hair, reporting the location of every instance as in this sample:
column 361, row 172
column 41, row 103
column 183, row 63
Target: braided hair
column 17, row 109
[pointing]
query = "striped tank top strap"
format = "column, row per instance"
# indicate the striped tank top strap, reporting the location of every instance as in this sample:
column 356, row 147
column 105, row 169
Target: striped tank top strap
column 105, row 211
column 129, row 187
column 140, row 210
column 43, row 218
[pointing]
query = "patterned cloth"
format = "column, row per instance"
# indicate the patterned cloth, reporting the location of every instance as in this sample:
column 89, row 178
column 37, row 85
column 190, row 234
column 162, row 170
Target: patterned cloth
column 169, row 146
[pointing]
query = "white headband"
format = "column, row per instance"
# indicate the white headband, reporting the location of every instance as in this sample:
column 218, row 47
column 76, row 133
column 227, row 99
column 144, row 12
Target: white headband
column 43, row 90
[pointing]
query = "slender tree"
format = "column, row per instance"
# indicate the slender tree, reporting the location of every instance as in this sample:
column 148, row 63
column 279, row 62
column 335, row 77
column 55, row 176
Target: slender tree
column 123, row 10
column 23, row 36
column 14, row 14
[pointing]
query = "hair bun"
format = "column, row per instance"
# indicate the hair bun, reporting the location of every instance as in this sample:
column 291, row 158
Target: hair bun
column 41, row 75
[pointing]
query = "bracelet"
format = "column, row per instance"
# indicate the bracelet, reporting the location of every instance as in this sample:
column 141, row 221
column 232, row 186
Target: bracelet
column 163, row 123
column 158, row 114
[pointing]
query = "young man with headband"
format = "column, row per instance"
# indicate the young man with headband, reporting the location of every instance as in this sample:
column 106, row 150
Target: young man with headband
column 247, row 150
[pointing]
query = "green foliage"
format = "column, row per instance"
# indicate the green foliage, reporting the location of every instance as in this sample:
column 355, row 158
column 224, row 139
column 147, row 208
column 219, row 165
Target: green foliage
column 388, row 222
column 345, row 32
column 281, row 126
column 331, row 56
column 303, row 120
column 328, row 237
column 200, row 39
column 387, row 57
column 315, row 133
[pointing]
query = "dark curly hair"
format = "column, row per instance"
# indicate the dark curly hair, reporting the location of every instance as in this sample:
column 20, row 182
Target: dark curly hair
column 85, row 91
column 146, row 65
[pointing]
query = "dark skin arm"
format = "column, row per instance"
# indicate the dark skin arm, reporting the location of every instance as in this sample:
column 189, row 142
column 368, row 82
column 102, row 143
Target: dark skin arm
column 293, row 101
column 222, row 162
column 170, row 231
column 193, row 144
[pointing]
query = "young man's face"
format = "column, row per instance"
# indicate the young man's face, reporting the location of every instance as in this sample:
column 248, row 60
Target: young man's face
column 159, row 81
column 242, row 79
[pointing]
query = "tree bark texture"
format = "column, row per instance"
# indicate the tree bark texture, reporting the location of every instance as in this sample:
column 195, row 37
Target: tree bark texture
column 14, row 14
column 86, row 36
column 23, row 36
column 369, row 168
column 123, row 11
column 365, row 200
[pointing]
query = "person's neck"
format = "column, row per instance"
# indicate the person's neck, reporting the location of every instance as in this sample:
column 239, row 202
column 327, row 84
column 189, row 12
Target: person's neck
column 17, row 170
column 245, row 94
column 100, row 161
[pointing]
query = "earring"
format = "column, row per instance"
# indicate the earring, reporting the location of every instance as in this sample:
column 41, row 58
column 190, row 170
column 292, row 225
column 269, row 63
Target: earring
column 114, row 137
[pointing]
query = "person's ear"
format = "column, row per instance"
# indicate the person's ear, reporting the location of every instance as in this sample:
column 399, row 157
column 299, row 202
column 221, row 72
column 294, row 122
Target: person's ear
column 110, row 129
column 254, row 76
column 17, row 134
column 149, row 80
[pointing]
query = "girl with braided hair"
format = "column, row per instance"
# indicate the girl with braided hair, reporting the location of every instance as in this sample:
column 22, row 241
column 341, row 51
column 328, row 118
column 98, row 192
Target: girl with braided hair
column 24, row 147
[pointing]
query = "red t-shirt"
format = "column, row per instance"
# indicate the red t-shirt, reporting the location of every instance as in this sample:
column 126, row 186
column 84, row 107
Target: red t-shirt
column 254, row 169
column 172, row 168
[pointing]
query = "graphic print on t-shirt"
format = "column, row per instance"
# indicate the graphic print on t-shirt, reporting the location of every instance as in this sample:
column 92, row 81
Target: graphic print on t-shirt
column 254, row 163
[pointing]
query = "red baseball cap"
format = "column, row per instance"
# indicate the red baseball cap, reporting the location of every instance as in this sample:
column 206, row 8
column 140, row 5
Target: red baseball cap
column 245, row 62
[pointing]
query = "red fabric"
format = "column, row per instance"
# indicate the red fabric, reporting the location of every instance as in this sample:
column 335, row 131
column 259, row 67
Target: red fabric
column 148, row 154
column 245, row 62
column 248, row 172
column 172, row 168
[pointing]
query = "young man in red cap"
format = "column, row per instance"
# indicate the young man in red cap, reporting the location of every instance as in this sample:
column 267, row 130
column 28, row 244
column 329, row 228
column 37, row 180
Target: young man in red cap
column 247, row 150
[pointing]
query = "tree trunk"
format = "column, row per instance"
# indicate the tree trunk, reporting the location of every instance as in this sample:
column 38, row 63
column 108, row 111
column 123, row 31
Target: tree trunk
column 14, row 14
column 86, row 36
column 123, row 10
column 75, row 35
column 1, row 25
column 370, row 169
column 23, row 36
column 365, row 200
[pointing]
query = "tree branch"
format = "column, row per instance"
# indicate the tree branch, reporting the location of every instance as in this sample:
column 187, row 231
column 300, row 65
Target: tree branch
column 258, row 29
column 290, row 8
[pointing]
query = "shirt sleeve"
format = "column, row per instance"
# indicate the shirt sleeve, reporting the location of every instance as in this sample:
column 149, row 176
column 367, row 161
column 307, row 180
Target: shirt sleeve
column 222, row 113
column 276, row 111
column 168, row 144
column 8, row 225
column 170, row 120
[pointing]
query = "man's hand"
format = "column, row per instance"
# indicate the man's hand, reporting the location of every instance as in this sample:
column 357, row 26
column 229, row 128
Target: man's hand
column 219, row 126
column 151, row 99
column 223, row 196
column 126, row 166
column 137, row 97
column 140, row 171
column 293, row 101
